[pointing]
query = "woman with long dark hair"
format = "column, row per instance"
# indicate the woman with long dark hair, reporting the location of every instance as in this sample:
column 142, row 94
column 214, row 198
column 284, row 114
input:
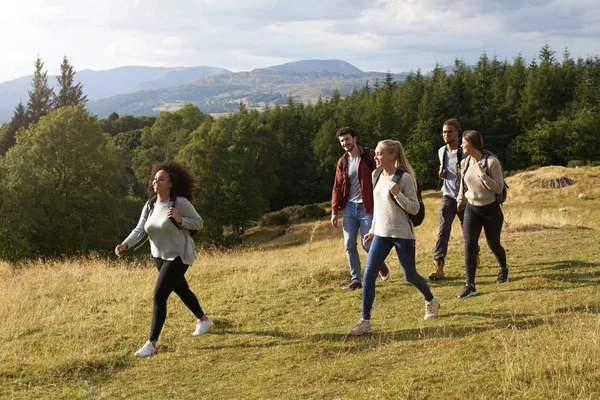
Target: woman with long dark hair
column 393, row 200
column 481, row 181
column 167, row 218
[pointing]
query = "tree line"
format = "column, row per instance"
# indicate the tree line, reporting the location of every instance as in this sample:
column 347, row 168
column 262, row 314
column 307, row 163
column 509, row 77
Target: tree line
column 76, row 184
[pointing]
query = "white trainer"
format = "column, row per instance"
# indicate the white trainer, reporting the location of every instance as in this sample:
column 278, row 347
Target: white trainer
column 431, row 309
column 363, row 326
column 147, row 350
column 202, row 326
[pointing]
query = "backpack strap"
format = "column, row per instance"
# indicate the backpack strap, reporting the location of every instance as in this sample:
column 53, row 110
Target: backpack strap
column 376, row 176
column 172, row 201
column 444, row 158
column 367, row 158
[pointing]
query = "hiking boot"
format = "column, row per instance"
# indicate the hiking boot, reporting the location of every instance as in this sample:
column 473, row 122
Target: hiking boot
column 363, row 326
column 468, row 291
column 202, row 326
column 438, row 270
column 503, row 275
column 431, row 309
column 147, row 350
column 353, row 285
column 384, row 272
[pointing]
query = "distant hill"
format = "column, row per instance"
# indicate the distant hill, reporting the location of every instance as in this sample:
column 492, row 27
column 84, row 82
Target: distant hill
column 148, row 90
column 222, row 93
column 101, row 84
column 307, row 66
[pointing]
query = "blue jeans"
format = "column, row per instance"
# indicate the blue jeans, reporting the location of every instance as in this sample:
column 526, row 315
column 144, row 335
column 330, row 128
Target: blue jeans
column 380, row 248
column 355, row 218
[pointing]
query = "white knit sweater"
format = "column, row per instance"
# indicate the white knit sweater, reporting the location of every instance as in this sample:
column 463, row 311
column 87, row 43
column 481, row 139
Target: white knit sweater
column 389, row 220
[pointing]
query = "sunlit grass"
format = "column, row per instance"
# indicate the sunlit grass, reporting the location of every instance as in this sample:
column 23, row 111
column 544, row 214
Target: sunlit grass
column 69, row 328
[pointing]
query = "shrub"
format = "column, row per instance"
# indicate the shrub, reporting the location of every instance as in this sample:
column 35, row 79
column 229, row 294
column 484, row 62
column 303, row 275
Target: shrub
column 575, row 164
column 274, row 218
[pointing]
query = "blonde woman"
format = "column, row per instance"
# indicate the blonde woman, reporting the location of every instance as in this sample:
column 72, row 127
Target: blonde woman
column 482, row 180
column 392, row 228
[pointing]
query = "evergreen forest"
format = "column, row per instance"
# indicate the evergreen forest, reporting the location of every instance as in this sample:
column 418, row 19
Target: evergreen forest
column 75, row 184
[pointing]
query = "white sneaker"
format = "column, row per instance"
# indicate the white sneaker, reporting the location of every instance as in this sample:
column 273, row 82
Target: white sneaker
column 147, row 350
column 431, row 309
column 363, row 326
column 202, row 326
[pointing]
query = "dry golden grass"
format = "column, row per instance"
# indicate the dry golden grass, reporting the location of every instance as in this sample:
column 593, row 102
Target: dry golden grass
column 69, row 328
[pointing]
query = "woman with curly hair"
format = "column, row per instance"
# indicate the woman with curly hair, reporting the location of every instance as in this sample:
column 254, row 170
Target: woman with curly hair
column 167, row 218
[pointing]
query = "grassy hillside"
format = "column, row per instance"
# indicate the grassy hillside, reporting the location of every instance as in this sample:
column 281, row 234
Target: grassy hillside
column 69, row 329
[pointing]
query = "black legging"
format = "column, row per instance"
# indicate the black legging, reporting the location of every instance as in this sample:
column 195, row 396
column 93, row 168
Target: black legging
column 171, row 279
column 489, row 217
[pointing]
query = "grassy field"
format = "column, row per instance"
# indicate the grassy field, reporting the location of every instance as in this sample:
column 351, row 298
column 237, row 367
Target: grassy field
column 69, row 329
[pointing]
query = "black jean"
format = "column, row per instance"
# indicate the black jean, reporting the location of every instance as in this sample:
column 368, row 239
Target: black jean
column 490, row 218
column 171, row 279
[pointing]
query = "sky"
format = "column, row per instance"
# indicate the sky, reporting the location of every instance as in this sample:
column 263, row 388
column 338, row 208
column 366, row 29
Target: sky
column 373, row 35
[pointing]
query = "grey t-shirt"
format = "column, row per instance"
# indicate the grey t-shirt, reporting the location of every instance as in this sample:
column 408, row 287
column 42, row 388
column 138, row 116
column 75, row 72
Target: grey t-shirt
column 452, row 180
column 354, row 194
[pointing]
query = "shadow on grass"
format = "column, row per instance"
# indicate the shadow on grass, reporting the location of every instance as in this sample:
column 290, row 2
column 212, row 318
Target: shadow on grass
column 557, row 265
column 586, row 309
column 359, row 343
column 493, row 322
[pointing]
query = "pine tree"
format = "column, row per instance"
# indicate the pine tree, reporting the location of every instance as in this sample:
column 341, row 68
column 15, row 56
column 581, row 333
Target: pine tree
column 40, row 97
column 19, row 120
column 69, row 95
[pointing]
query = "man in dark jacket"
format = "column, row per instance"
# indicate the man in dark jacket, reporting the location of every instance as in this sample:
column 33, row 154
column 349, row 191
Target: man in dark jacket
column 353, row 193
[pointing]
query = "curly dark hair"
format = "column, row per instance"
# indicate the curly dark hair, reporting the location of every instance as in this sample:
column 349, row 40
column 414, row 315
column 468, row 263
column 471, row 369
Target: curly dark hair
column 182, row 181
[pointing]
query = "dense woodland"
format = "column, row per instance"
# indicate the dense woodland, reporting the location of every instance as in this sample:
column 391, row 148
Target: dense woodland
column 75, row 184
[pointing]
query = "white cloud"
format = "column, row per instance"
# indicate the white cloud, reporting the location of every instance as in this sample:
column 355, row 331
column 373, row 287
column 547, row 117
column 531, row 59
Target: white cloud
column 372, row 34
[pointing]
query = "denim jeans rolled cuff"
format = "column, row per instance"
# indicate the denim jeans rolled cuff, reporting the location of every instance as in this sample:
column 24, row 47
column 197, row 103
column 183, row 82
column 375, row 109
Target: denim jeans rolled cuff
column 355, row 219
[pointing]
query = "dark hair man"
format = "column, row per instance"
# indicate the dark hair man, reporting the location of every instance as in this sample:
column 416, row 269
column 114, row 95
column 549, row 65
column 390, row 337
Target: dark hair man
column 353, row 193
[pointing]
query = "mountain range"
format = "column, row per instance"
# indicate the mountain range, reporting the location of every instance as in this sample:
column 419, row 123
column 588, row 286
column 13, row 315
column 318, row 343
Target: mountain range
column 148, row 90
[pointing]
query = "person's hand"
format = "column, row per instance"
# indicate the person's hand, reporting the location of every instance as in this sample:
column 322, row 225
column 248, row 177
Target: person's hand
column 120, row 249
column 480, row 170
column 394, row 188
column 174, row 213
column 334, row 220
column 368, row 237
column 460, row 207
column 442, row 173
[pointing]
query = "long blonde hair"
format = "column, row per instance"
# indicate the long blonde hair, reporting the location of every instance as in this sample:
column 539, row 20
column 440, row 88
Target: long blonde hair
column 401, row 162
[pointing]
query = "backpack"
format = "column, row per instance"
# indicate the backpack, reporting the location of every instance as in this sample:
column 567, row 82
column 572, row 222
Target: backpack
column 365, row 157
column 416, row 219
column 500, row 197
column 149, row 210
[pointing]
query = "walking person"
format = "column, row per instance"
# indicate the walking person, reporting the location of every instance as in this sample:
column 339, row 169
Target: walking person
column 392, row 228
column 353, row 194
column 482, row 179
column 450, row 156
column 167, row 219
